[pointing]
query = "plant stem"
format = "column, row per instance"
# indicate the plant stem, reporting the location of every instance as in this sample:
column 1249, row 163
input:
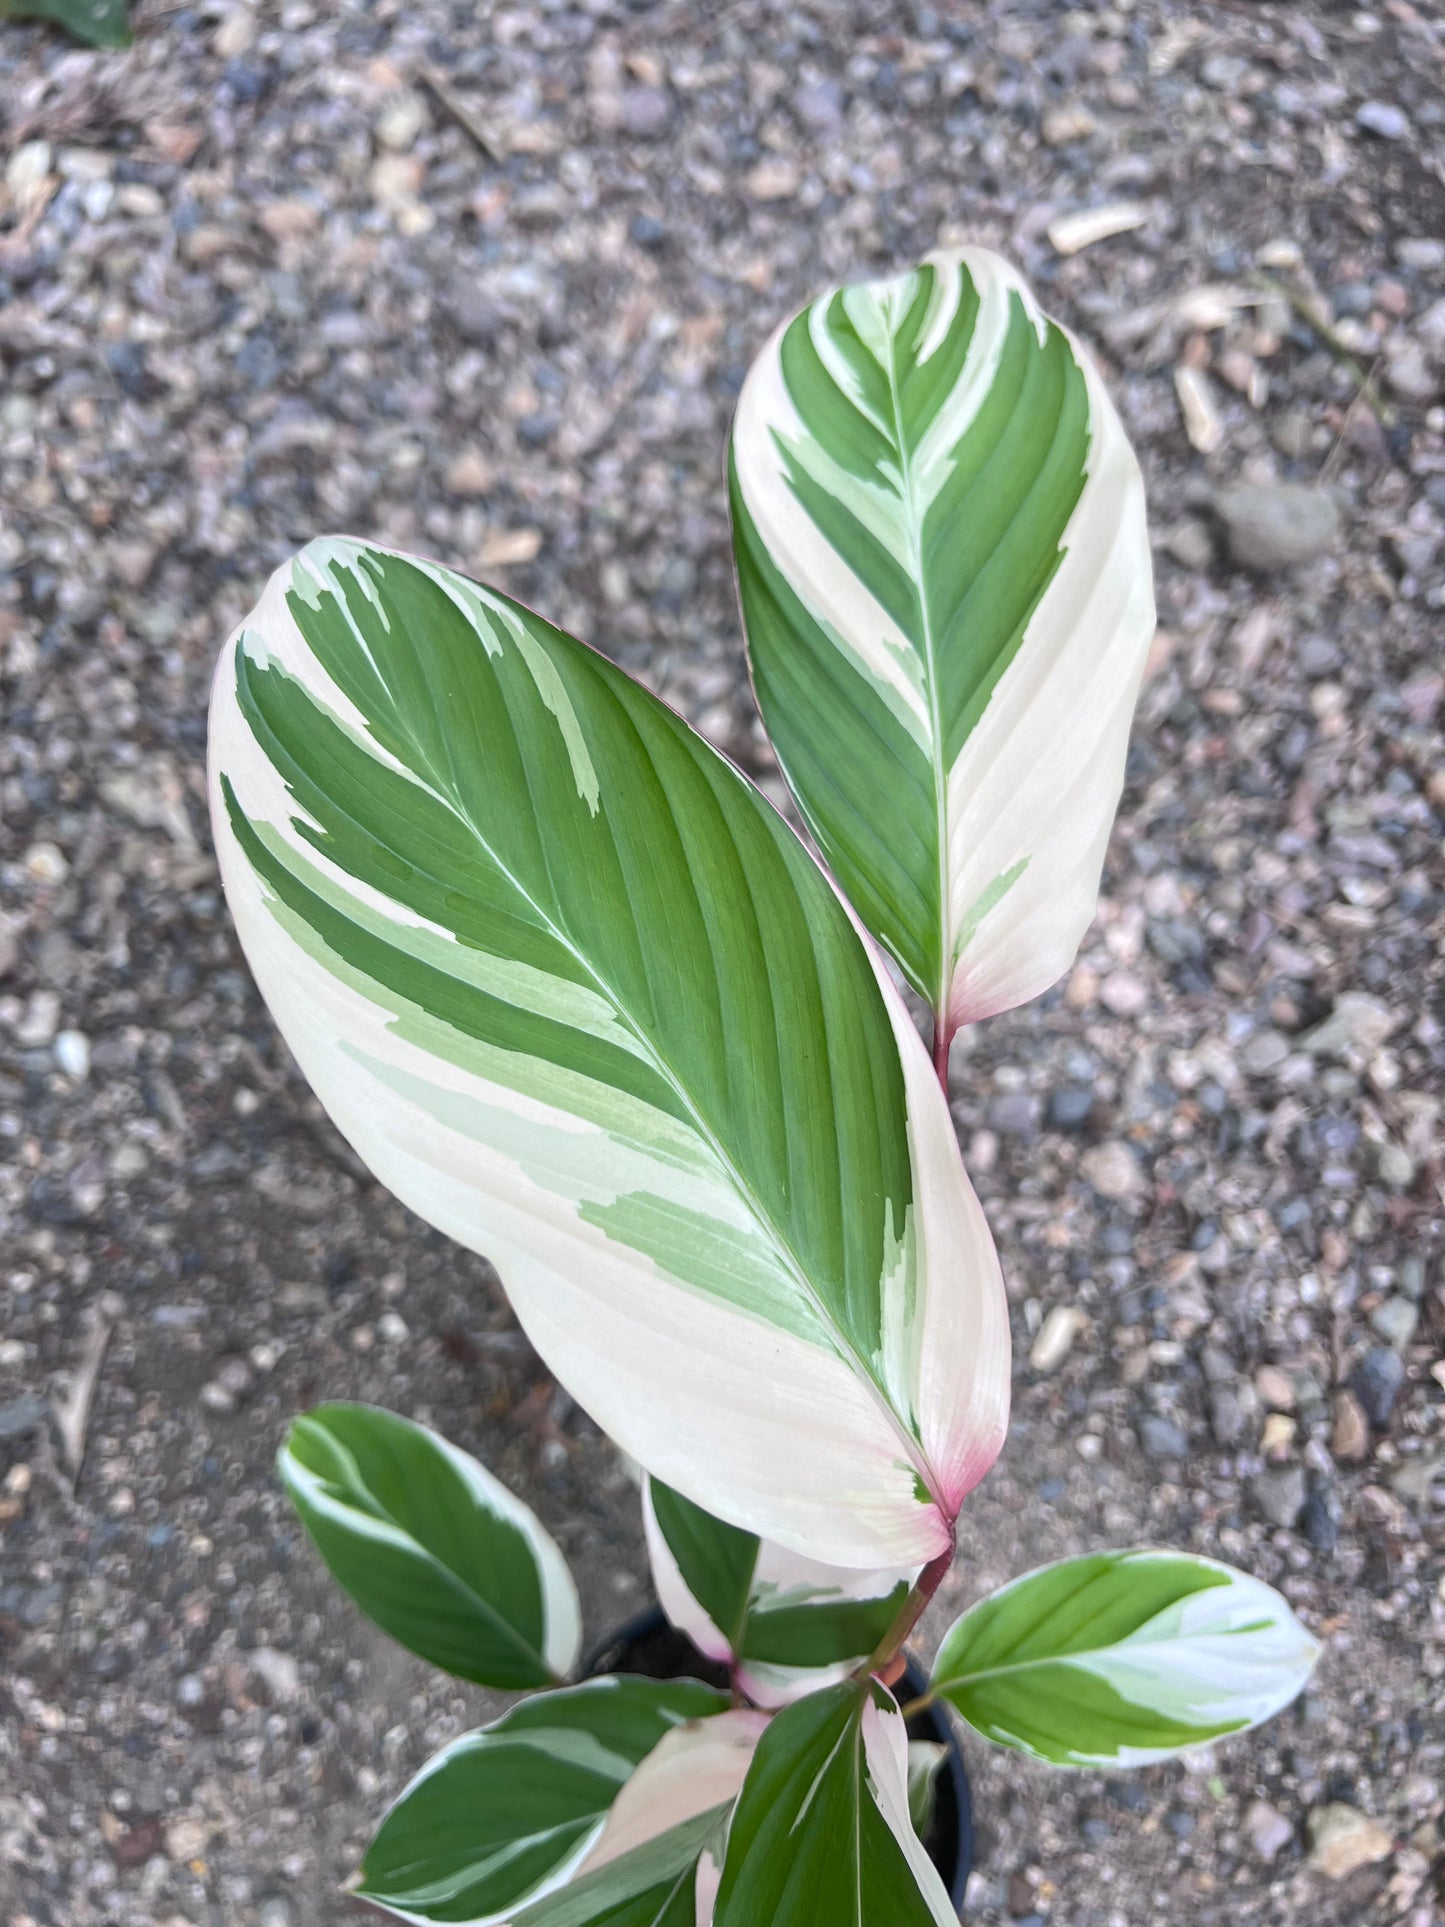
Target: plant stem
column 942, row 1039
column 912, row 1609
column 920, row 1705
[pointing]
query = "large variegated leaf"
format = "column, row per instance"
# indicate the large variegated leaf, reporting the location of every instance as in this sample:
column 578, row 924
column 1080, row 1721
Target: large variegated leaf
column 822, row 1830
column 787, row 1623
column 432, row 1547
column 501, row 1817
column 578, row 995
column 945, row 579
column 1122, row 1658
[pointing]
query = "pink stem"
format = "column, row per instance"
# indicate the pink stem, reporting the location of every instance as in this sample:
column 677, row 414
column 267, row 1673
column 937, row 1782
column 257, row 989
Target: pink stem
column 913, row 1607
column 943, row 1033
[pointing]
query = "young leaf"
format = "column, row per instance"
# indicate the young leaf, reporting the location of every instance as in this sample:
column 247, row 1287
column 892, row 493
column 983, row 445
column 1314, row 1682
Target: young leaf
column 501, row 1817
column 578, row 995
column 790, row 1623
column 432, row 1547
column 925, row 1763
column 945, row 580
column 1122, row 1658
column 821, row 1831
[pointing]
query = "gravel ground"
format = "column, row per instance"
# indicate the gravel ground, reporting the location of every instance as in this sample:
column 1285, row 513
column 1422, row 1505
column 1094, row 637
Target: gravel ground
column 483, row 281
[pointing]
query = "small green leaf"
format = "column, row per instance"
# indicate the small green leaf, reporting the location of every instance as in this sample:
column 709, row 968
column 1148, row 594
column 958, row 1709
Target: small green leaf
column 1123, row 1658
column 821, row 1829
column 99, row 23
column 820, row 1631
column 500, row 1815
column 432, row 1547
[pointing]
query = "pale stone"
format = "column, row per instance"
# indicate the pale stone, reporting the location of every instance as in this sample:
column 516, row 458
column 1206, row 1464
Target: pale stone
column 1342, row 1840
column 1113, row 1170
column 1056, row 1338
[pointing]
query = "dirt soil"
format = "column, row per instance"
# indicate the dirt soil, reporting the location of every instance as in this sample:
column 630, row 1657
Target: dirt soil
column 483, row 281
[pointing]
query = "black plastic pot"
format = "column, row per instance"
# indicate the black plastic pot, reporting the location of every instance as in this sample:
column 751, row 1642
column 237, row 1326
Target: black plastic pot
column 654, row 1649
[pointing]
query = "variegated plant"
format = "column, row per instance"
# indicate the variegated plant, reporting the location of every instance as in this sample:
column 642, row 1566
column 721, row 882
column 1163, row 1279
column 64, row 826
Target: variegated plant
column 576, row 992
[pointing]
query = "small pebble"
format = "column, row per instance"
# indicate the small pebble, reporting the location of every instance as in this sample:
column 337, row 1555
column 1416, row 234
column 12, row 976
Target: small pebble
column 1113, row 1170
column 1383, row 118
column 1376, row 1383
column 1350, row 1437
column 72, row 1054
column 1278, row 525
column 1395, row 1320
column 1280, row 1494
column 1268, row 1831
column 1161, row 1438
column 1056, row 1338
column 1342, row 1840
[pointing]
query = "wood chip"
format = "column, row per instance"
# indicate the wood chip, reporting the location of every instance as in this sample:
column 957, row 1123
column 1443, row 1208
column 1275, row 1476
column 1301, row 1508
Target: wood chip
column 1072, row 232
column 72, row 1413
column 1196, row 403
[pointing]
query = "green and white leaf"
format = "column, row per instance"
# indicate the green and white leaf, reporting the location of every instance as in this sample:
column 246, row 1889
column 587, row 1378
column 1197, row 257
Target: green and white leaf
column 791, row 1624
column 822, row 1831
column 577, row 994
column 946, row 583
column 656, row 1885
column 432, row 1547
column 502, row 1817
column 1120, row 1658
column 698, row 1768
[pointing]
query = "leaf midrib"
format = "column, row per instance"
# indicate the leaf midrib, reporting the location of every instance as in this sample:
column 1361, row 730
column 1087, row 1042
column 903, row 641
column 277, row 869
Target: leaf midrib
column 914, row 529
